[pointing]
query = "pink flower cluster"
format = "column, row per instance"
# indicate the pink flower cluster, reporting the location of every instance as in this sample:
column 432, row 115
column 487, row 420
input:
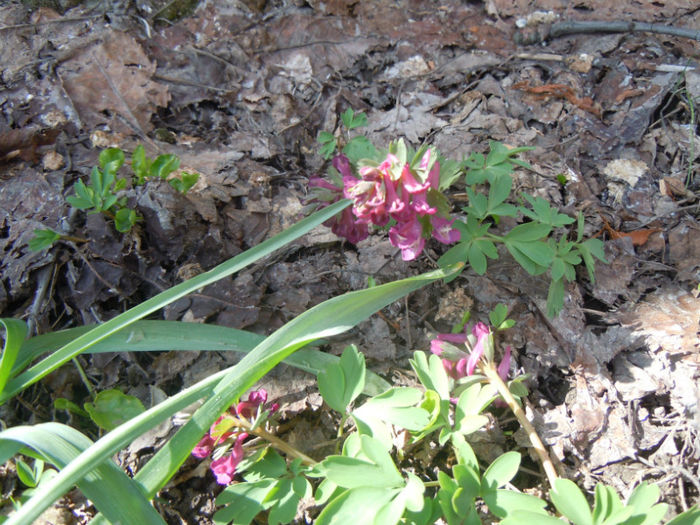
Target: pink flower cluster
column 461, row 364
column 390, row 191
column 224, row 468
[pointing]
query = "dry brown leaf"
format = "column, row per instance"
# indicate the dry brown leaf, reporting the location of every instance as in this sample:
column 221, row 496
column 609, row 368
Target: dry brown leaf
column 110, row 82
column 561, row 91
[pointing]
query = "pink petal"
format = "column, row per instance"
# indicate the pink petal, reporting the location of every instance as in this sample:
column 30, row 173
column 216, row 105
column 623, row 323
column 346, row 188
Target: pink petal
column 434, row 176
column 460, row 337
column 410, row 183
column 342, row 164
column 443, row 230
column 204, row 447
column 504, row 365
column 225, row 468
column 420, row 204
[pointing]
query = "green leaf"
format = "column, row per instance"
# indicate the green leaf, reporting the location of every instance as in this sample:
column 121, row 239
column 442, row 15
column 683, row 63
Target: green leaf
column 163, row 166
column 501, row 471
column 15, row 332
column 42, row 239
column 499, row 189
column 29, row 475
column 396, row 406
column 558, row 269
column 521, row 517
column 125, row 219
column 431, row 373
column 498, row 315
column 450, row 171
column 528, row 232
column 353, row 120
column 478, row 205
column 269, row 465
column 185, row 182
column 342, row 382
column 469, row 404
column 243, row 501
column 286, row 496
column 504, row 503
column 352, row 473
column 555, row 298
column 606, row 503
column 689, row 517
column 359, row 506
column 111, row 159
column 140, row 164
column 83, row 198
column 98, row 186
column 413, row 493
column 148, row 336
column 464, row 452
column 120, row 184
column 543, row 212
column 112, row 407
column 359, row 148
column 327, row 150
column 588, row 250
column 570, row 501
column 525, row 261
column 62, row 403
column 476, row 259
column 324, row 138
column 109, row 201
column 469, row 483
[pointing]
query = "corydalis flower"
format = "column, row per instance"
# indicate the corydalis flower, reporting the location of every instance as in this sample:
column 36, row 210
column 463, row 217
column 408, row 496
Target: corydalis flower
column 224, row 430
column 393, row 191
column 460, row 363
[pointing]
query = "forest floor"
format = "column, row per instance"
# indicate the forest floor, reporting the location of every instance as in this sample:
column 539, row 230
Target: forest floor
column 240, row 91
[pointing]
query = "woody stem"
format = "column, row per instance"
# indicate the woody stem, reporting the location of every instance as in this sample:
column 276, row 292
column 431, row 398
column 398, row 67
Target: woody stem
column 489, row 370
column 275, row 442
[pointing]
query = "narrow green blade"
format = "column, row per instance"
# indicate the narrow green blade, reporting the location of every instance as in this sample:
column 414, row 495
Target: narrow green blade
column 60, row 444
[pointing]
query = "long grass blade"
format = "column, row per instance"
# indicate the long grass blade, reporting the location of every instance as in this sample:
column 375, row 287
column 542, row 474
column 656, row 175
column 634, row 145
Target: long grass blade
column 148, row 336
column 15, row 332
column 118, row 497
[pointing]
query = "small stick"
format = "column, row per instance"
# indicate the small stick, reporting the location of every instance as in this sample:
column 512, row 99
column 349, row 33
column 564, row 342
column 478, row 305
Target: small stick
column 491, row 374
column 596, row 26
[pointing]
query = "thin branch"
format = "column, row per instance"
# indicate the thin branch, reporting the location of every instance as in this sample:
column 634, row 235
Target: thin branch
column 571, row 27
column 491, row 374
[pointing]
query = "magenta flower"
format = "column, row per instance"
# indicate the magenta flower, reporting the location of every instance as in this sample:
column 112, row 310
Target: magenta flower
column 460, row 363
column 204, row 447
column 385, row 192
column 224, row 468
column 504, row 365
column 409, row 238
column 443, row 230
column 482, row 333
column 438, row 347
column 224, row 429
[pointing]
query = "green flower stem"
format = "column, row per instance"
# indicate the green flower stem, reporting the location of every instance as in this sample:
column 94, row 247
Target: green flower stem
column 489, row 370
column 72, row 238
column 276, row 442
